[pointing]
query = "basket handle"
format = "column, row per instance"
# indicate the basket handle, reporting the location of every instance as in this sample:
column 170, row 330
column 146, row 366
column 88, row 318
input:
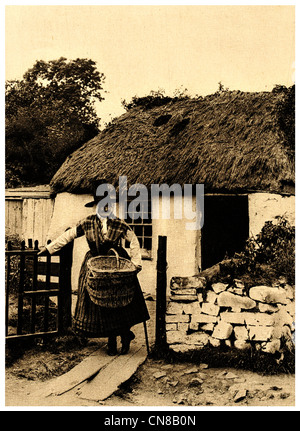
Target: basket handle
column 117, row 256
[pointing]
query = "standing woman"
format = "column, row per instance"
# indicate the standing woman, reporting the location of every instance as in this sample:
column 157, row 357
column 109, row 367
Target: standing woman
column 91, row 320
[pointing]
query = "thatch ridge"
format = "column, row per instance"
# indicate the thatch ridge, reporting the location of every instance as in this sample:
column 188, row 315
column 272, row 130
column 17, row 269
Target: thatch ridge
column 230, row 142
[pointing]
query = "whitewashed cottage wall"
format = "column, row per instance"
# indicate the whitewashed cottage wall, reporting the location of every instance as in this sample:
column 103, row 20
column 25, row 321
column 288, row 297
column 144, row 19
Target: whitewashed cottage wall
column 266, row 206
column 183, row 246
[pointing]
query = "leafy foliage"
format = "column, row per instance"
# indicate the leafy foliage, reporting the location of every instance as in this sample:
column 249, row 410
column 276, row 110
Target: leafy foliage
column 266, row 259
column 273, row 247
column 49, row 113
column 155, row 98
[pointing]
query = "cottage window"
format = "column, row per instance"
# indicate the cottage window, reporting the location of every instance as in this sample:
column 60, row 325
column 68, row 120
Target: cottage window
column 142, row 227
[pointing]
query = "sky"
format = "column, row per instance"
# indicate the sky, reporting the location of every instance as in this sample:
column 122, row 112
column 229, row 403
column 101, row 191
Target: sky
column 144, row 48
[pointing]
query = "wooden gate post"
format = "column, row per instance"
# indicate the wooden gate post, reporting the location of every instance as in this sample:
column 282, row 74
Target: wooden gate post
column 9, row 247
column 161, row 288
column 21, row 290
column 65, row 287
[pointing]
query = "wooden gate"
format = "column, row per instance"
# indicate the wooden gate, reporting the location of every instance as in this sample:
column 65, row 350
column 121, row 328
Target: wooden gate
column 38, row 292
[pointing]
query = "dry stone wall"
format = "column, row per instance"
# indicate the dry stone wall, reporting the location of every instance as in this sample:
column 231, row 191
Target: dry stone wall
column 199, row 315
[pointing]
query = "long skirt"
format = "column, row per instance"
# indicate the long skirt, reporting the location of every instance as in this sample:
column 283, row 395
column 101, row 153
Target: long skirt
column 91, row 320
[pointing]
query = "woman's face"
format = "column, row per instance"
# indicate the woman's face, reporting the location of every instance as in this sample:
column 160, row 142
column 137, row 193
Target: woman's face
column 104, row 212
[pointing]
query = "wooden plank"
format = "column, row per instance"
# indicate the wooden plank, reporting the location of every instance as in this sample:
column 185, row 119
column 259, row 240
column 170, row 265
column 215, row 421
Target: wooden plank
column 7, row 290
column 109, row 378
column 30, row 336
column 81, row 372
column 33, row 293
column 36, row 218
column 28, row 211
column 21, row 291
column 48, row 207
column 42, row 191
column 7, row 227
column 21, row 252
column 46, row 298
column 34, row 288
column 65, row 281
column 13, row 218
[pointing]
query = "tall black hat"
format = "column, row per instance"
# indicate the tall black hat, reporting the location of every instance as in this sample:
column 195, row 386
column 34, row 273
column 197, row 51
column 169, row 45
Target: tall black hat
column 96, row 184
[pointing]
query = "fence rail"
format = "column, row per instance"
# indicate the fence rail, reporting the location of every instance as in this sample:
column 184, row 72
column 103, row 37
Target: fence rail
column 29, row 287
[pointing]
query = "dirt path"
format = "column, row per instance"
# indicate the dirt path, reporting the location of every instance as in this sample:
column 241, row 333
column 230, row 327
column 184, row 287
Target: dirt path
column 156, row 382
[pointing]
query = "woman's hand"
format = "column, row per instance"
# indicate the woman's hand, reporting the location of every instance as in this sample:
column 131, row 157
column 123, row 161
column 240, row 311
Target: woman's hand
column 43, row 252
column 138, row 267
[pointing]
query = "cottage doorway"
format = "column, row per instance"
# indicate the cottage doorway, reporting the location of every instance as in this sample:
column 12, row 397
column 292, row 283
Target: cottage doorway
column 226, row 228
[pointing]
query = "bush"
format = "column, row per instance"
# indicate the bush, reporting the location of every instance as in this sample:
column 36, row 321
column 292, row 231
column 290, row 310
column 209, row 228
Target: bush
column 273, row 248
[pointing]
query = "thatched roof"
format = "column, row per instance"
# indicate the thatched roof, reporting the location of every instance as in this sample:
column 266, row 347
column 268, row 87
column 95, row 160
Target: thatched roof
column 230, row 142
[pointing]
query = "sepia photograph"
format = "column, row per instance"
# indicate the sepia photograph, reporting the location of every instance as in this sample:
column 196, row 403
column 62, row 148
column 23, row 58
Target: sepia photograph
column 149, row 263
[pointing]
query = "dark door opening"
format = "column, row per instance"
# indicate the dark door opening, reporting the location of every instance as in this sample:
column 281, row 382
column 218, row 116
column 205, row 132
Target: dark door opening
column 225, row 229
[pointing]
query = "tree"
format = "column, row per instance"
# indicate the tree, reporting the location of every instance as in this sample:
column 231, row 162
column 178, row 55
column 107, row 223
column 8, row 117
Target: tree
column 49, row 113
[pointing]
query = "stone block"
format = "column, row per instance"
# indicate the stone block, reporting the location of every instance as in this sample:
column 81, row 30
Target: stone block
column 258, row 319
column 211, row 297
column 286, row 332
column 290, row 308
column 198, row 339
column 200, row 297
column 214, row 342
column 177, row 318
column 282, row 318
column 191, row 308
column 204, row 318
column 272, row 346
column 219, row 287
column 183, row 327
column 242, row 344
column 195, row 281
column 260, row 333
column 222, row 331
column 194, row 326
column 269, row 295
column 174, row 308
column 207, row 327
column 230, row 317
column 180, row 298
column 181, row 348
column 235, row 302
column 174, row 285
column 236, row 290
column 208, row 308
column 184, row 292
column 174, row 337
column 241, row 333
column 171, row 326
column 290, row 292
column 267, row 308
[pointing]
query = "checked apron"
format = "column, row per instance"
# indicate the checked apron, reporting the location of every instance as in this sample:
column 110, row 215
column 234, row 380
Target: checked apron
column 90, row 319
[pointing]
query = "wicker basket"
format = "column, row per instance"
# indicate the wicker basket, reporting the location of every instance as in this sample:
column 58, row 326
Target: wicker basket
column 111, row 280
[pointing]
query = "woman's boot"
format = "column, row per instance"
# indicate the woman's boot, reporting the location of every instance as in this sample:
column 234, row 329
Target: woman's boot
column 112, row 346
column 126, row 338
